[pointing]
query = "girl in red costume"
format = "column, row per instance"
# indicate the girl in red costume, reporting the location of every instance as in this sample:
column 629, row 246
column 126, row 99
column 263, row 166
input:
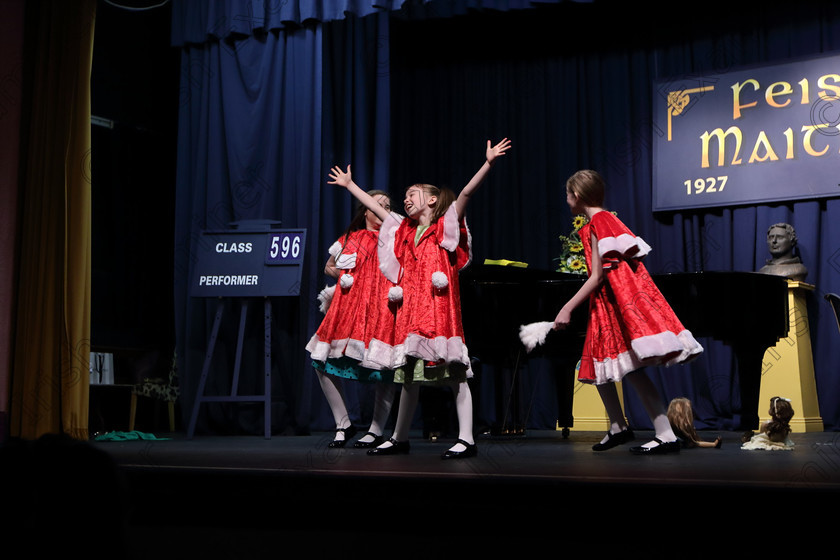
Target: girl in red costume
column 630, row 323
column 359, row 322
column 424, row 254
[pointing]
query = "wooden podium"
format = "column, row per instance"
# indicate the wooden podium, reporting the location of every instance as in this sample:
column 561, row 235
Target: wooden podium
column 788, row 368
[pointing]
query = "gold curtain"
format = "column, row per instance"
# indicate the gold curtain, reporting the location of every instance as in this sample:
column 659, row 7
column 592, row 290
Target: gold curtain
column 50, row 372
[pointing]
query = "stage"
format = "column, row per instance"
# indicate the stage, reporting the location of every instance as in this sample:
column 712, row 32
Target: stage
column 252, row 497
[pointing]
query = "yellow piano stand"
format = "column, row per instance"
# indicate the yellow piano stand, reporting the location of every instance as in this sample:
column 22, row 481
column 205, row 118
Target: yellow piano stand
column 588, row 410
column 788, row 368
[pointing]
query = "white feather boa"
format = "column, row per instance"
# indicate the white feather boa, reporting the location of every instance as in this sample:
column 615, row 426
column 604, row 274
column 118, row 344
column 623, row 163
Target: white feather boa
column 533, row 334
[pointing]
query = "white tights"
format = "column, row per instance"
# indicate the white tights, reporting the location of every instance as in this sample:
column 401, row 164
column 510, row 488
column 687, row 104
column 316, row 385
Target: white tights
column 408, row 404
column 651, row 400
column 334, row 393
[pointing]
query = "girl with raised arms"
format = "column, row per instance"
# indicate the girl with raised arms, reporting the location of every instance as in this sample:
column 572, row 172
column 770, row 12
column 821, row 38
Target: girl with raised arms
column 423, row 254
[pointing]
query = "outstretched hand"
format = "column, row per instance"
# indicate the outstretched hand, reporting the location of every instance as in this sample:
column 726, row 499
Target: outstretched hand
column 498, row 150
column 339, row 177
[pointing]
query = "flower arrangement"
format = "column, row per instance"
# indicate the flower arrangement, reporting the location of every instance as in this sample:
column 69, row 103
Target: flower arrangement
column 571, row 257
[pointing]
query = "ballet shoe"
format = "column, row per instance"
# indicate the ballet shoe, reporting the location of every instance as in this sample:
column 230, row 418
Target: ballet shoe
column 348, row 432
column 396, row 448
column 377, row 441
column 661, row 448
column 470, row 451
column 614, row 440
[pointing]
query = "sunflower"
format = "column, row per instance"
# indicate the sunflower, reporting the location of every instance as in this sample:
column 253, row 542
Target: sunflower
column 576, row 264
column 571, row 255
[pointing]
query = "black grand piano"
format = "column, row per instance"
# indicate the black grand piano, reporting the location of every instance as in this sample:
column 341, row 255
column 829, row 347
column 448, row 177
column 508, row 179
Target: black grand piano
column 746, row 310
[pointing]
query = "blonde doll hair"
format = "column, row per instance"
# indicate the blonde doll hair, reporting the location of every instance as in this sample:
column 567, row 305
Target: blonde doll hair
column 681, row 416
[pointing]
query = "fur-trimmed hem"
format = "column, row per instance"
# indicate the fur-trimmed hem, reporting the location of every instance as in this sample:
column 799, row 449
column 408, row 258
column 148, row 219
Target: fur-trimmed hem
column 438, row 349
column 377, row 356
column 666, row 348
column 663, row 349
column 381, row 355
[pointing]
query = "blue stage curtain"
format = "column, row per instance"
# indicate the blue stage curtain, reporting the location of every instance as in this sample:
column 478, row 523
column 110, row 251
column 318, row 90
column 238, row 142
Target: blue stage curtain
column 249, row 144
column 270, row 101
column 571, row 103
column 262, row 118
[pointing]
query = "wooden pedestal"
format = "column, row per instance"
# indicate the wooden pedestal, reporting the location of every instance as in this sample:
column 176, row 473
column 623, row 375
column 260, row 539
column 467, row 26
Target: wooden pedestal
column 788, row 368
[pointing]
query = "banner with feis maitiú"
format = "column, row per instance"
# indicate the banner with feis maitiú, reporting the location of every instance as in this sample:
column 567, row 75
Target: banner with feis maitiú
column 752, row 136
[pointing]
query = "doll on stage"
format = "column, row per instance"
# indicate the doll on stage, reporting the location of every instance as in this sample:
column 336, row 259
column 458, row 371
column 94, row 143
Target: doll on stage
column 775, row 433
column 358, row 323
column 424, row 254
column 681, row 417
column 630, row 324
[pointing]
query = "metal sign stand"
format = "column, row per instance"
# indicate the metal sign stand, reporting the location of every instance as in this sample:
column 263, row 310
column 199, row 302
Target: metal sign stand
column 234, row 389
column 246, row 265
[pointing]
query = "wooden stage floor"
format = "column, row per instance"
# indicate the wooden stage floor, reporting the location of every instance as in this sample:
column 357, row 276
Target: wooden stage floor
column 251, row 497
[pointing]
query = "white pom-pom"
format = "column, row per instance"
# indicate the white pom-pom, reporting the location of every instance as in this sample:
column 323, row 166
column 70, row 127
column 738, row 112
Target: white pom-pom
column 346, row 281
column 395, row 294
column 439, row 280
column 534, row 334
column 325, row 297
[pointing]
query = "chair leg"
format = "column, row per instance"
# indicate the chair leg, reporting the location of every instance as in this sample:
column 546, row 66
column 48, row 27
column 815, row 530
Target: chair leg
column 132, row 412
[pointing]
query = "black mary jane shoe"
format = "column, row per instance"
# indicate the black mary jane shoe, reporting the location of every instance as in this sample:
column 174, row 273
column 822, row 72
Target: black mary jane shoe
column 377, row 441
column 470, row 451
column 660, row 449
column 614, row 440
column 348, row 432
column 396, row 448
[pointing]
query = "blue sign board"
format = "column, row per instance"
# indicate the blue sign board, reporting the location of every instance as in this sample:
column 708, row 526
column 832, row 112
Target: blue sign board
column 750, row 136
column 249, row 263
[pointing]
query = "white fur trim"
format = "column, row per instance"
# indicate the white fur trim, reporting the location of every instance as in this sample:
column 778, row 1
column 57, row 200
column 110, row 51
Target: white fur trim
column 663, row 349
column 345, row 261
column 388, row 263
column 469, row 245
column 325, row 297
column 625, row 245
column 667, row 348
column 533, row 334
column 439, row 280
column 378, row 356
column 381, row 355
column 451, row 229
column 346, row 281
column 395, row 294
column 335, row 249
column 438, row 349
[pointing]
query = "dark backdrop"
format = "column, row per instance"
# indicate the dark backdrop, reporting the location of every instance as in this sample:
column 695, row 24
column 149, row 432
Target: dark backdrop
column 409, row 96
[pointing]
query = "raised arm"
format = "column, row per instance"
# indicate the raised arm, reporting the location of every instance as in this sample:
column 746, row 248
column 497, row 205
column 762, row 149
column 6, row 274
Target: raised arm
column 345, row 180
column 492, row 153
